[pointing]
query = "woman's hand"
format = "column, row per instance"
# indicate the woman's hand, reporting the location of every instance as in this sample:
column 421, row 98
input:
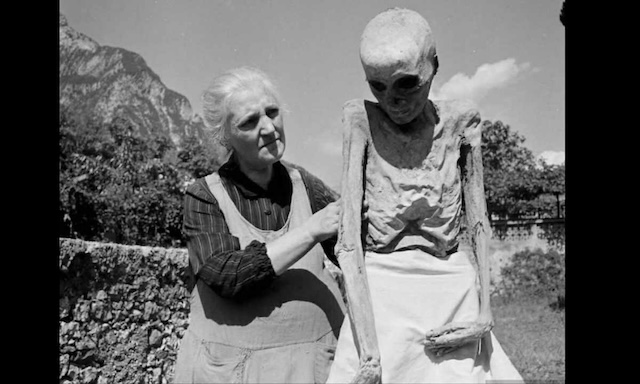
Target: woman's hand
column 324, row 223
column 290, row 247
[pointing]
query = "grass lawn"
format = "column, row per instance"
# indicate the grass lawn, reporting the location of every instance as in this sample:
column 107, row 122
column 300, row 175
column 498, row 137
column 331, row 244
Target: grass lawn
column 533, row 336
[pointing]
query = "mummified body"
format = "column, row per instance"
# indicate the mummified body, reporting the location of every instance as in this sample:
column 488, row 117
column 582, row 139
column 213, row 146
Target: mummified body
column 409, row 164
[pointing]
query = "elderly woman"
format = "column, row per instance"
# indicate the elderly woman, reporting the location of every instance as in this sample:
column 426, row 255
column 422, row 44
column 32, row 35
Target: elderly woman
column 264, row 308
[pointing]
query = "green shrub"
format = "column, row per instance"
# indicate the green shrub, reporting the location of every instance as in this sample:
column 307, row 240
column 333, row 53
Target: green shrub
column 121, row 187
column 536, row 273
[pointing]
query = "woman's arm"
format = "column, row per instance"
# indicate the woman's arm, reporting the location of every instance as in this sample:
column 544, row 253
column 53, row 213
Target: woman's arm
column 290, row 247
column 215, row 254
column 320, row 195
column 216, row 257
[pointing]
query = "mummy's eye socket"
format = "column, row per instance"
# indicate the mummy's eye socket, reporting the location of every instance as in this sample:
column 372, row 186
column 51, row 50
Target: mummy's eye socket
column 378, row 86
column 408, row 82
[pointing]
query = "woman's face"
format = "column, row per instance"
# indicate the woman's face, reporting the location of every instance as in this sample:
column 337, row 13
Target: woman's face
column 256, row 130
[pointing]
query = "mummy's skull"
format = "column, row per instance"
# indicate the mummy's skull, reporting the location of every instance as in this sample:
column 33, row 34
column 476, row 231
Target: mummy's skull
column 398, row 54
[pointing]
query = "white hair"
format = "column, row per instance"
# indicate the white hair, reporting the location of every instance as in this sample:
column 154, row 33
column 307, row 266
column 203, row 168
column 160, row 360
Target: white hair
column 216, row 97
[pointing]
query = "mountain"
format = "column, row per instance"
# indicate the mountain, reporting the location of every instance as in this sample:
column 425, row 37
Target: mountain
column 101, row 83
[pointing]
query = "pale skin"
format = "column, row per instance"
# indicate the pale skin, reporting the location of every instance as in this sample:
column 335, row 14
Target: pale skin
column 255, row 131
column 401, row 87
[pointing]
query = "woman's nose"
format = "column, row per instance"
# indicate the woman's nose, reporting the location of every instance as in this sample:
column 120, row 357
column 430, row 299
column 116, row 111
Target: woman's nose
column 266, row 126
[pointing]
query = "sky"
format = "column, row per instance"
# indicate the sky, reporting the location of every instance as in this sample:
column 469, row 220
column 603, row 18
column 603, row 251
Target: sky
column 508, row 56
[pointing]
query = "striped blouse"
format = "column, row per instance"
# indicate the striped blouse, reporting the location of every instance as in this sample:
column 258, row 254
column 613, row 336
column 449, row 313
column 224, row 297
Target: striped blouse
column 215, row 255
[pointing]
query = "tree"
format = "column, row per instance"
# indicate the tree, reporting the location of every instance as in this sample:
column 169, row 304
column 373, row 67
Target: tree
column 196, row 158
column 118, row 186
column 121, row 190
column 516, row 185
column 510, row 176
column 553, row 182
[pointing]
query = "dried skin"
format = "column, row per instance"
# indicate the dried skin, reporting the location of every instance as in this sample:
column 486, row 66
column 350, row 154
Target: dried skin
column 350, row 251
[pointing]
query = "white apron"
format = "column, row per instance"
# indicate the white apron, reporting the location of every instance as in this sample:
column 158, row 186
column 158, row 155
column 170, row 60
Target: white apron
column 413, row 292
column 287, row 335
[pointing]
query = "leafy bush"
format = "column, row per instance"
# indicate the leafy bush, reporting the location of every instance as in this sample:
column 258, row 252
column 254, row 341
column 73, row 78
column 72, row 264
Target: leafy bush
column 554, row 234
column 118, row 186
column 536, row 273
column 516, row 186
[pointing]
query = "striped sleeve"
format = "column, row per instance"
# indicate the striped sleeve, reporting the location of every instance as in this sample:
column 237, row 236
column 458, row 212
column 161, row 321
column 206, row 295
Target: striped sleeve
column 215, row 255
column 320, row 195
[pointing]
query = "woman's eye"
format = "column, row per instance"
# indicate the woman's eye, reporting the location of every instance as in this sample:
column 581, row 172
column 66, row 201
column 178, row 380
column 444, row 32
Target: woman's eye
column 250, row 122
column 378, row 86
column 408, row 82
column 273, row 112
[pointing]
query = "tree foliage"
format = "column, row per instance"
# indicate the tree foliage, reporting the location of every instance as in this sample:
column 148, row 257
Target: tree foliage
column 124, row 189
column 118, row 186
column 516, row 185
column 197, row 158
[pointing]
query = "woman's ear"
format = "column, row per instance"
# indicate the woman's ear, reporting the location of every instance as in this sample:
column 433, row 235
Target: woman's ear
column 435, row 65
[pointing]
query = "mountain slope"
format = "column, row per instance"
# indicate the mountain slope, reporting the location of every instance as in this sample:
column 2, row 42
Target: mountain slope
column 101, row 83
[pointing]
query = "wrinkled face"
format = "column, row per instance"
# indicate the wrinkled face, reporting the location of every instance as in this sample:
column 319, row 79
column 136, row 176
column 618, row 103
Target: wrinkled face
column 398, row 56
column 255, row 127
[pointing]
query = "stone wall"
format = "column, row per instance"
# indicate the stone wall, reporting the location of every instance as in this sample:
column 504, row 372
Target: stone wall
column 510, row 237
column 123, row 310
